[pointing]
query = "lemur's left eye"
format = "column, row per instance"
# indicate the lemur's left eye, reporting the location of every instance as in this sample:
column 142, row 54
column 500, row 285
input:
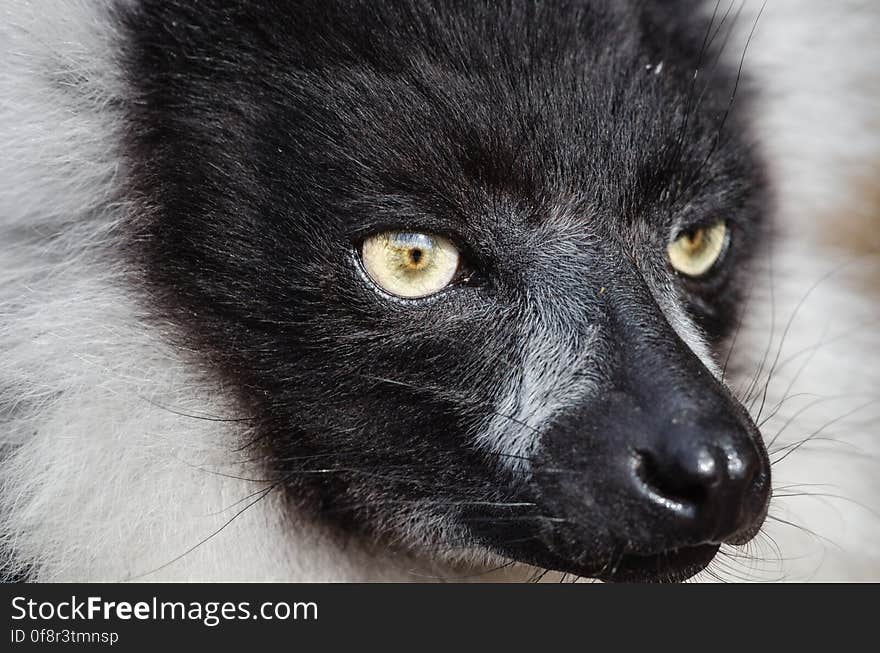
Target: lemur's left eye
column 696, row 251
column 410, row 265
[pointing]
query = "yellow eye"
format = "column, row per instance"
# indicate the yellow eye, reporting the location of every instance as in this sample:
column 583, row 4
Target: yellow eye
column 694, row 252
column 410, row 265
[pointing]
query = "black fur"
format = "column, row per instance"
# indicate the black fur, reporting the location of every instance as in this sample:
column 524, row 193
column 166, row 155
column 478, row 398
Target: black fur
column 266, row 139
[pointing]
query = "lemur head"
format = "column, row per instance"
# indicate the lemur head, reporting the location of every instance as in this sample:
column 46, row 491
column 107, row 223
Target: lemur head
column 467, row 266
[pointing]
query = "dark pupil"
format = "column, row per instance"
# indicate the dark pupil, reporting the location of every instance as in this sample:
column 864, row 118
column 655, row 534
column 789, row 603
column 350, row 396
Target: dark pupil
column 415, row 255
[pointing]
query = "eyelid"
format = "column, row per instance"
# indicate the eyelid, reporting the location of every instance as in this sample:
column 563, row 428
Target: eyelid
column 694, row 221
column 471, row 259
column 466, row 243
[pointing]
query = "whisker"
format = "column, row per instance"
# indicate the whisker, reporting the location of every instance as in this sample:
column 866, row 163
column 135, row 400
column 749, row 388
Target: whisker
column 812, row 436
column 214, row 534
column 804, row 529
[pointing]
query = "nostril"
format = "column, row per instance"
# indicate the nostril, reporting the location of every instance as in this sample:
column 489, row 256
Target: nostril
column 690, row 477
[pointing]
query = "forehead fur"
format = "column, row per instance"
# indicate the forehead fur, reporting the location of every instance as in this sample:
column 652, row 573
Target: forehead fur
column 452, row 105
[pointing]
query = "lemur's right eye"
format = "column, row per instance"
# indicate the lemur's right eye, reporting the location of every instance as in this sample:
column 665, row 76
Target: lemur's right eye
column 694, row 252
column 410, row 265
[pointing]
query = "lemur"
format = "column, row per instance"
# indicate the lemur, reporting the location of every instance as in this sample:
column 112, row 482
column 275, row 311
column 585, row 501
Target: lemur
column 335, row 290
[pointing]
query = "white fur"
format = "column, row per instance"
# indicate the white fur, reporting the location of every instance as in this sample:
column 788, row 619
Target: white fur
column 546, row 375
column 817, row 67
column 89, row 391
column 689, row 332
column 535, row 391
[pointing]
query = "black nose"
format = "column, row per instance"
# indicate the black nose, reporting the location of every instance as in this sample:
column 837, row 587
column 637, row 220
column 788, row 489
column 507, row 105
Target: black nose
column 714, row 490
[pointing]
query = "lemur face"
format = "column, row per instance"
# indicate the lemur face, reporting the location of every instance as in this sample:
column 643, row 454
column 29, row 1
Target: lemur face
column 468, row 267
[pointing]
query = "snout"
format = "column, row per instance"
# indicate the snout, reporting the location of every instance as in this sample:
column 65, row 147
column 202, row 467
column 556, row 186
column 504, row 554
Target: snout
column 656, row 490
column 701, row 486
column 681, row 481
column 646, row 481
column 647, row 476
